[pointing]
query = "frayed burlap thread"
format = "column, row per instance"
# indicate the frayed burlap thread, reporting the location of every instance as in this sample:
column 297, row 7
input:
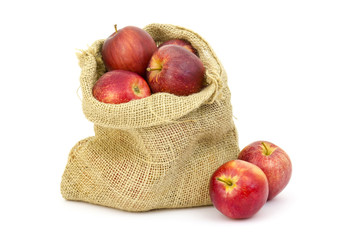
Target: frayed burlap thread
column 157, row 152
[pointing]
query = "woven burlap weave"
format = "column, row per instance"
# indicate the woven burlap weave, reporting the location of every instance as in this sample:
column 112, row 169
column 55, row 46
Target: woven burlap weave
column 156, row 152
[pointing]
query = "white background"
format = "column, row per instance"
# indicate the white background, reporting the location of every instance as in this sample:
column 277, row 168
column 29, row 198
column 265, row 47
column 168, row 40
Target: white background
column 293, row 70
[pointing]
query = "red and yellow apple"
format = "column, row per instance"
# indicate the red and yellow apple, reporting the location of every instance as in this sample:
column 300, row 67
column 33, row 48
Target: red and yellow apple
column 180, row 42
column 120, row 86
column 173, row 69
column 274, row 162
column 238, row 189
column 130, row 49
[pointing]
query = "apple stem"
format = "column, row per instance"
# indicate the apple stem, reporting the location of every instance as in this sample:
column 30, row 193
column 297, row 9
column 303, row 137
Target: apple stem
column 115, row 26
column 229, row 183
column 152, row 69
column 267, row 150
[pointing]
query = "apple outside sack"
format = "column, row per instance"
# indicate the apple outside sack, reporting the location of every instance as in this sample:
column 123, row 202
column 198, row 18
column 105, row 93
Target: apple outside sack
column 156, row 152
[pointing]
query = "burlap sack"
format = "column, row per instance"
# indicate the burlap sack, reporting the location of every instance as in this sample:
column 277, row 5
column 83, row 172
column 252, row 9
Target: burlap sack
column 156, row 152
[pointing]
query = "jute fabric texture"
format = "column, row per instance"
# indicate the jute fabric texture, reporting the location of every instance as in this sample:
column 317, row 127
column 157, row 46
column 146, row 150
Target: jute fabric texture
column 156, row 152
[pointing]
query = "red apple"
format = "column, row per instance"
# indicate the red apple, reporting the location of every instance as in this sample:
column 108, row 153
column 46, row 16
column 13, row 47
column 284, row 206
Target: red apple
column 273, row 161
column 173, row 69
column 129, row 48
column 180, row 42
column 238, row 189
column 120, row 86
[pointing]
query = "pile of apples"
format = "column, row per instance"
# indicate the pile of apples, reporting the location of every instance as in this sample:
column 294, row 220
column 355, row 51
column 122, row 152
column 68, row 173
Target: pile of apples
column 136, row 67
column 240, row 188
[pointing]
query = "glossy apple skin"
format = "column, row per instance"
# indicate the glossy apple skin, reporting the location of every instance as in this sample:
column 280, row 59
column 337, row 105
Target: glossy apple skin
column 175, row 70
column 130, row 49
column 120, row 86
column 276, row 166
column 246, row 195
column 180, row 42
